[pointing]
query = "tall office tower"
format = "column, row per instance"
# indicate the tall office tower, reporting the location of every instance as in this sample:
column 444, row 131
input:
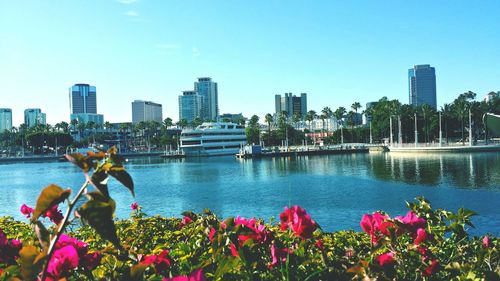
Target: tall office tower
column 422, row 85
column 207, row 89
column 34, row 116
column 143, row 111
column 5, row 119
column 292, row 104
column 83, row 104
column 190, row 105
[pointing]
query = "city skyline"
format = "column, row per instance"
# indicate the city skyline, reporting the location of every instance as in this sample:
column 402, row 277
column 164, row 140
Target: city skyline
column 338, row 52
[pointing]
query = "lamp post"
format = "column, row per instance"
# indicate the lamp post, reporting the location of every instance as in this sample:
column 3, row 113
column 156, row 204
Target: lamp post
column 400, row 135
column 470, row 128
column 416, row 132
column 371, row 137
column 390, row 127
column 440, row 131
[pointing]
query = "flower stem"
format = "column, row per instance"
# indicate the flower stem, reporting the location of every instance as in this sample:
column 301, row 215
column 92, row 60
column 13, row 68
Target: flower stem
column 61, row 227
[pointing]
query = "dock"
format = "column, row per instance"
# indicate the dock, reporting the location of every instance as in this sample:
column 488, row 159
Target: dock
column 301, row 151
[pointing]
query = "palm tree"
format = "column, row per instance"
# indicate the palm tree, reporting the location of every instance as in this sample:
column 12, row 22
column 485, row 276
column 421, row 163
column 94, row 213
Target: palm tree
column 167, row 122
column 182, row 123
column 460, row 108
column 327, row 113
column 339, row 114
column 427, row 111
column 74, row 123
column 269, row 119
column 446, row 111
column 355, row 106
column 311, row 114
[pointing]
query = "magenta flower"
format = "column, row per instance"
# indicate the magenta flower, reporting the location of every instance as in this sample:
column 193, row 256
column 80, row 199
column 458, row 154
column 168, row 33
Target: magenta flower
column 376, row 224
column 234, row 251
column 27, row 211
column 134, row 206
column 63, row 260
column 486, row 242
column 185, row 221
column 319, row 244
column 65, row 240
column 161, row 261
column 54, row 214
column 412, row 221
column 386, row 259
column 421, row 236
column 257, row 231
column 3, row 239
column 431, row 269
column 211, row 234
column 278, row 256
column 92, row 260
column 9, row 250
column 299, row 221
column 196, row 275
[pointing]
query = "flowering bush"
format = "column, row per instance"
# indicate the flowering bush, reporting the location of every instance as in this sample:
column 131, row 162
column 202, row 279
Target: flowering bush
column 423, row 244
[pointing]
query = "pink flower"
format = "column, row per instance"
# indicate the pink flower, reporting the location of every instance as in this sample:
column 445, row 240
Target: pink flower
column 3, row 239
column 27, row 211
column 234, row 251
column 319, row 244
column 54, row 214
column 257, row 231
column 278, row 256
column 185, row 221
column 386, row 259
column 161, row 261
column 223, row 225
column 375, row 224
column 211, row 234
column 421, row 236
column 9, row 250
column 299, row 221
column 92, row 260
column 196, row 275
column 431, row 269
column 65, row 240
column 134, row 206
column 412, row 221
column 486, row 242
column 63, row 260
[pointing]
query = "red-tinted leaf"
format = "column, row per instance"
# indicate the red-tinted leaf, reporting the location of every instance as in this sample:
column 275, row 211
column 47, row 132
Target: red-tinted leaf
column 50, row 196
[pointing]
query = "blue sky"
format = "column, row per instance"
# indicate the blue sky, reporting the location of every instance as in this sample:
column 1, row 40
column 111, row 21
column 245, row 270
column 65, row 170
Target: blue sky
column 336, row 51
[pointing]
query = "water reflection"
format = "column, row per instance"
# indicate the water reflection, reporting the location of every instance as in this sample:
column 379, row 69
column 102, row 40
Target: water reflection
column 466, row 170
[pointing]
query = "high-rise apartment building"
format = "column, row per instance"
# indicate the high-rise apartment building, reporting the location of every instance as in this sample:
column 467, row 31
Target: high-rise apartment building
column 291, row 104
column 422, row 85
column 143, row 111
column 5, row 119
column 207, row 90
column 83, row 104
column 34, row 116
column 190, row 105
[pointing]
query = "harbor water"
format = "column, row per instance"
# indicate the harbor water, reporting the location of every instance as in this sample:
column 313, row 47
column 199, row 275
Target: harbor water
column 335, row 189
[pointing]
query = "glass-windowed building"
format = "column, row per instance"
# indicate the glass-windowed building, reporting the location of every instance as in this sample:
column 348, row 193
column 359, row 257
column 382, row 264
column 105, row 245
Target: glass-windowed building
column 189, row 105
column 5, row 119
column 293, row 105
column 422, row 85
column 143, row 111
column 83, row 104
column 34, row 116
column 207, row 90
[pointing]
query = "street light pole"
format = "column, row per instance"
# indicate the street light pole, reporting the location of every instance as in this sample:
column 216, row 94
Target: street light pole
column 470, row 128
column 390, row 125
column 371, row 137
column 440, row 131
column 416, row 132
column 400, row 135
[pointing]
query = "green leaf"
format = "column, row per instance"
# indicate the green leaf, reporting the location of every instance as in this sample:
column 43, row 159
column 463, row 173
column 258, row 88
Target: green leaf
column 30, row 262
column 50, row 196
column 99, row 180
column 137, row 271
column 225, row 265
column 98, row 213
column 122, row 176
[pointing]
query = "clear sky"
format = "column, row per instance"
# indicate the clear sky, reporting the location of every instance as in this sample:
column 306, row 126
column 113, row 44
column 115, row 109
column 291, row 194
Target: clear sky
column 338, row 52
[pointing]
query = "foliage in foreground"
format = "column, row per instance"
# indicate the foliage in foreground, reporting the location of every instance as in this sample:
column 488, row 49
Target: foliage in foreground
column 424, row 244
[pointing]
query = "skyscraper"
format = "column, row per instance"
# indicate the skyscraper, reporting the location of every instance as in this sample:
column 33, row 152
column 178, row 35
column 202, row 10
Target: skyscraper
column 207, row 89
column 34, row 116
column 291, row 104
column 146, row 111
column 190, row 104
column 422, row 85
column 5, row 119
column 83, row 104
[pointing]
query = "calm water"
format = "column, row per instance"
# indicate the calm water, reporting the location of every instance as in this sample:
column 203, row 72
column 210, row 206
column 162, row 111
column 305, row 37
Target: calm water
column 335, row 190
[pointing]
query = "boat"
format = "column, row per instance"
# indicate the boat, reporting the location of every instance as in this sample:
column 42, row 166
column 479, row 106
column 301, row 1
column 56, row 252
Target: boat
column 212, row 139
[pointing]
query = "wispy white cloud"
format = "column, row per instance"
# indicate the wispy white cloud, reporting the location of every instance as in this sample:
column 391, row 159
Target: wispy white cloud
column 196, row 52
column 126, row 2
column 132, row 13
column 168, row 46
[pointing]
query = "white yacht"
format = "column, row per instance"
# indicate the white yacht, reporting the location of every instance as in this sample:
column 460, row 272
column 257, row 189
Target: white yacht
column 210, row 139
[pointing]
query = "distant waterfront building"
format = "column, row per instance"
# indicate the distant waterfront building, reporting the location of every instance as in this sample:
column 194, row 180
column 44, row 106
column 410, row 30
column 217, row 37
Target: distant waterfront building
column 5, row 119
column 291, row 104
column 83, row 104
column 235, row 118
column 368, row 117
column 143, row 111
column 34, row 116
column 422, row 85
column 190, row 105
column 207, row 89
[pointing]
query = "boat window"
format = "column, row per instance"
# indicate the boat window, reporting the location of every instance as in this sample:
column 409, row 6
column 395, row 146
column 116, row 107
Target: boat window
column 213, row 147
column 240, row 127
column 193, row 142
